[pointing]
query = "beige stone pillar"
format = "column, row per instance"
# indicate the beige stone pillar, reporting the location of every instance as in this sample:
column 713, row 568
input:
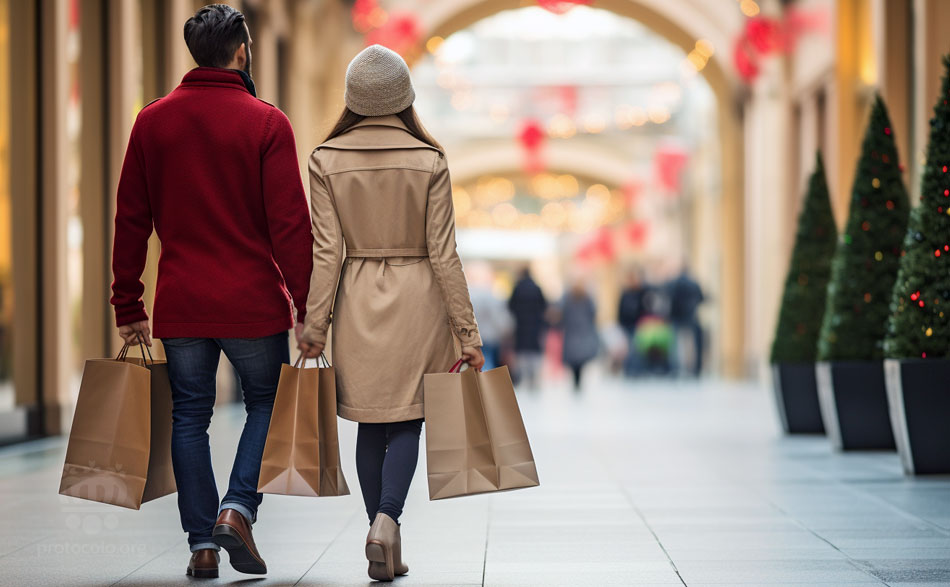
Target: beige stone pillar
column 94, row 183
column 54, row 306
column 930, row 44
column 767, row 173
column 24, row 189
column 893, row 50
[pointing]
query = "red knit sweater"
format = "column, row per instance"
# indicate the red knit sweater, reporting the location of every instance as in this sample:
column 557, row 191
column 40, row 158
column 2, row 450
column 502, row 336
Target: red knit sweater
column 214, row 170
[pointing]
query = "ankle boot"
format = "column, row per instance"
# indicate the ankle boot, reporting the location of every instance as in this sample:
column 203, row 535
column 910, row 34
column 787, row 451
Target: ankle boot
column 384, row 549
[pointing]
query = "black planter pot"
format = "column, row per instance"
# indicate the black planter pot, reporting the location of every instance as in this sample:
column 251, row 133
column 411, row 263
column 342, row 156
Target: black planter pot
column 918, row 392
column 854, row 408
column 796, row 397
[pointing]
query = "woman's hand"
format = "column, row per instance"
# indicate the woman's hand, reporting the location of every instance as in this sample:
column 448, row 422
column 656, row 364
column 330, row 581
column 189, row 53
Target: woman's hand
column 473, row 356
column 310, row 350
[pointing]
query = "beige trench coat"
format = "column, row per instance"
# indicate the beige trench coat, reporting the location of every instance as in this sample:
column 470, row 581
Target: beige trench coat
column 397, row 296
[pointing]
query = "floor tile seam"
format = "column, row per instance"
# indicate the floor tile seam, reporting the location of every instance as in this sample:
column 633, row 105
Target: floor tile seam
column 903, row 513
column 30, row 543
column 177, row 542
column 346, row 525
column 656, row 538
column 851, row 561
column 487, row 535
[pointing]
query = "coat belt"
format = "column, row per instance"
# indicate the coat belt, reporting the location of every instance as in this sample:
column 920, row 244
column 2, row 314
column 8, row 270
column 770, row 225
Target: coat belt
column 383, row 253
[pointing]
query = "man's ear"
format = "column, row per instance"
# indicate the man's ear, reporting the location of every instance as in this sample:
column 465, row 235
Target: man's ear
column 240, row 57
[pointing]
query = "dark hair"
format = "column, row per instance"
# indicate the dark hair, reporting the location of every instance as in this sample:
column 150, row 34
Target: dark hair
column 408, row 116
column 214, row 33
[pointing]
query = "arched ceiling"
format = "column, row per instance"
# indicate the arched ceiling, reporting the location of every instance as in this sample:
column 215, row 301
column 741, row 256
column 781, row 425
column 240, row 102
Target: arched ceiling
column 682, row 22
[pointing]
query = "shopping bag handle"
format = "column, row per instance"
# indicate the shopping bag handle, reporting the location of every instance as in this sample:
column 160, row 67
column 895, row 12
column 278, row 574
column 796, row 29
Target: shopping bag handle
column 457, row 367
column 146, row 353
column 323, row 356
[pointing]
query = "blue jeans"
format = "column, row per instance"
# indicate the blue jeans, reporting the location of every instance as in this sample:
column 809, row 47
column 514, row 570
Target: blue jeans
column 192, row 370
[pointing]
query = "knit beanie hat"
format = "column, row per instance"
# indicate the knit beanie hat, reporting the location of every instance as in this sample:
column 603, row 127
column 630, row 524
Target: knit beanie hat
column 377, row 83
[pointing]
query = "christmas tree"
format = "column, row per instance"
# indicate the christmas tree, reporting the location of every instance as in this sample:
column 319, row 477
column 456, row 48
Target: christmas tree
column 866, row 261
column 803, row 304
column 920, row 325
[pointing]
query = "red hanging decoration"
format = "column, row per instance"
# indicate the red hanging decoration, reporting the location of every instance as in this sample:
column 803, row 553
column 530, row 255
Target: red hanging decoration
column 605, row 244
column 531, row 138
column 765, row 35
column 367, row 15
column 745, row 60
column 635, row 233
column 568, row 95
column 402, row 33
column 631, row 192
column 561, row 6
column 669, row 161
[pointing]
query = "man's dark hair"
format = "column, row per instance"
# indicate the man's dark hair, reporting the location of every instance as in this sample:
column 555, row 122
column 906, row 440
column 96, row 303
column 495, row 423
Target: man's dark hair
column 214, row 33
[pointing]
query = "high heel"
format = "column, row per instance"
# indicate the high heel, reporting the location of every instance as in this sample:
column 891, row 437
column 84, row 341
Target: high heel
column 384, row 549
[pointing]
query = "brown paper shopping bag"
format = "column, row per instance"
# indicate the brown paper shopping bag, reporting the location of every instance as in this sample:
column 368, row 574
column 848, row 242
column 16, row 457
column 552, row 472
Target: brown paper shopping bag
column 119, row 449
column 475, row 437
column 302, row 451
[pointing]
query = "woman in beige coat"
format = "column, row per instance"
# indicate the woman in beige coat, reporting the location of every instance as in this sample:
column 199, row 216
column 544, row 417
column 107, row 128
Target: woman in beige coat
column 387, row 275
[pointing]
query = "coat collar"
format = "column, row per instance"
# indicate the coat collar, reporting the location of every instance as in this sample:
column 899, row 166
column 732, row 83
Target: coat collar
column 376, row 133
column 214, row 76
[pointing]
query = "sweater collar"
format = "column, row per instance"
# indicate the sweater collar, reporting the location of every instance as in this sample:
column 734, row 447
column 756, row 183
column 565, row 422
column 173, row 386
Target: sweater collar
column 214, row 76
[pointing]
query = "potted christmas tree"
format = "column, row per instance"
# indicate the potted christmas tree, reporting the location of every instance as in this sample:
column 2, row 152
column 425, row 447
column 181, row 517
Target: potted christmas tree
column 803, row 305
column 850, row 371
column 917, row 346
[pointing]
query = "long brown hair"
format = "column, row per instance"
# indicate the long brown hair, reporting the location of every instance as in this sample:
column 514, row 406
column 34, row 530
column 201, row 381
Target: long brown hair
column 408, row 116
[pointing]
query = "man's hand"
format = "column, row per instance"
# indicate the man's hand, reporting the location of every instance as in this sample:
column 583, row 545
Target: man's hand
column 135, row 332
column 310, row 350
column 473, row 356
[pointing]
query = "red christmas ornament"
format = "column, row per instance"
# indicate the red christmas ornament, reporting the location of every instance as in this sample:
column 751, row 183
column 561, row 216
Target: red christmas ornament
column 561, row 6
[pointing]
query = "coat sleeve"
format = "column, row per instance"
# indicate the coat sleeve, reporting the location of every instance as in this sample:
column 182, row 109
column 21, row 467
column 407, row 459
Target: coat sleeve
column 440, row 241
column 133, row 227
column 327, row 256
column 286, row 208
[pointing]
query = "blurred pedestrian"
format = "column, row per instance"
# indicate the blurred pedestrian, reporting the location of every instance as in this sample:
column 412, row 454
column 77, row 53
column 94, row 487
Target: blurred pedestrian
column 632, row 308
column 380, row 190
column 577, row 321
column 492, row 314
column 685, row 297
column 214, row 171
column 528, row 307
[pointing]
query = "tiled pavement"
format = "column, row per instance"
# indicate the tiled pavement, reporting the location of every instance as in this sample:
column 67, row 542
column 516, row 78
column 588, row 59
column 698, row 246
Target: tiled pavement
column 649, row 483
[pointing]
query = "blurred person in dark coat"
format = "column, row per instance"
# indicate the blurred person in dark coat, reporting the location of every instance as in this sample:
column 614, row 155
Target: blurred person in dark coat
column 578, row 323
column 528, row 307
column 685, row 296
column 632, row 307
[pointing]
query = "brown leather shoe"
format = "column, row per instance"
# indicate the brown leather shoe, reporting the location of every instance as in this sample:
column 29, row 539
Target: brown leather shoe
column 384, row 549
column 233, row 533
column 203, row 564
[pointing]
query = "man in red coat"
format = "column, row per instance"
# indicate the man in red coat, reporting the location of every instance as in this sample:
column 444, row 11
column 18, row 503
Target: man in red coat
column 214, row 171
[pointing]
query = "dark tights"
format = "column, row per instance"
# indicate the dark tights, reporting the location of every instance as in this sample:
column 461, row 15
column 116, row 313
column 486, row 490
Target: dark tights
column 576, row 372
column 386, row 456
